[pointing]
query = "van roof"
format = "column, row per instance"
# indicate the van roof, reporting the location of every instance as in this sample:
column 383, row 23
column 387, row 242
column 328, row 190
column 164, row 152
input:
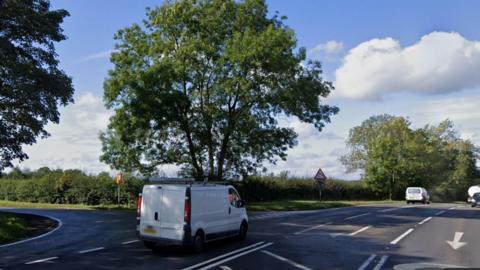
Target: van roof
column 182, row 186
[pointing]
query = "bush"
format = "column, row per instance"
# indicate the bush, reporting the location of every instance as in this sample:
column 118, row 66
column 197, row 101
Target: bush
column 271, row 188
column 70, row 186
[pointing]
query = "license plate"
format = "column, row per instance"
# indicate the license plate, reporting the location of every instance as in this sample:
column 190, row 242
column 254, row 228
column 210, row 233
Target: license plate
column 149, row 230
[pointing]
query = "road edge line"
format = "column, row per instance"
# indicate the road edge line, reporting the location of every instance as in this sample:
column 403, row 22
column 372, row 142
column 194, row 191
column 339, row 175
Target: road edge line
column 235, row 256
column 278, row 257
column 60, row 224
column 367, row 262
column 223, row 256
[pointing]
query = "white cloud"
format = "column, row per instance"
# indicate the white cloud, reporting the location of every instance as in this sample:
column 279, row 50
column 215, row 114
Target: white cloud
column 74, row 142
column 98, row 55
column 328, row 51
column 463, row 111
column 438, row 63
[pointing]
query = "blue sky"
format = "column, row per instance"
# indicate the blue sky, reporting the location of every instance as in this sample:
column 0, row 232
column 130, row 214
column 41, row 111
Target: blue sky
column 417, row 59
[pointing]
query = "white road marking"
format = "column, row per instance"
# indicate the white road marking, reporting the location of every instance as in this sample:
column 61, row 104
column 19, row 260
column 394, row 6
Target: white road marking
column 396, row 208
column 235, row 256
column 357, row 216
column 224, row 267
column 456, row 244
column 90, row 250
column 222, row 256
column 359, row 231
column 129, row 242
column 40, row 236
column 292, row 263
column 42, row 260
column 425, row 220
column 312, row 228
column 367, row 262
column 381, row 262
column 451, row 208
column 394, row 242
column 439, row 213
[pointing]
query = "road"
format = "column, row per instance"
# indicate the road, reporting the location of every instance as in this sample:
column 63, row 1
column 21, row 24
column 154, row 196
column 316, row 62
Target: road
column 392, row 236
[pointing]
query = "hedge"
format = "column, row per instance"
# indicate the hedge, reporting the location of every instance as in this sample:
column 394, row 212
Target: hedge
column 76, row 187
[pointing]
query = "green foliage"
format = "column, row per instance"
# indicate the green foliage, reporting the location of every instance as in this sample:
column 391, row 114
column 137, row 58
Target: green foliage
column 68, row 187
column 257, row 188
column 202, row 84
column 395, row 156
column 31, row 85
column 12, row 227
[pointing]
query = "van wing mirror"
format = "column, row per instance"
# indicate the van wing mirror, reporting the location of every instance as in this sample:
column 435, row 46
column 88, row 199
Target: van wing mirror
column 241, row 203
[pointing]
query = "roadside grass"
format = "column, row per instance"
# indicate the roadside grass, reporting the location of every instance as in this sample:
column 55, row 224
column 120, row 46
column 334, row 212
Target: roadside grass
column 278, row 205
column 297, row 205
column 12, row 227
column 15, row 204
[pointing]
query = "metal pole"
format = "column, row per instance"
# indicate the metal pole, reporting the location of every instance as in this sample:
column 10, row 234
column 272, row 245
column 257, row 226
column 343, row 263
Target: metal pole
column 118, row 197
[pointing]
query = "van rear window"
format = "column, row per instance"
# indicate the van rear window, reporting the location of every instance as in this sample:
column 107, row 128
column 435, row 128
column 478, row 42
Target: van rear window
column 413, row 190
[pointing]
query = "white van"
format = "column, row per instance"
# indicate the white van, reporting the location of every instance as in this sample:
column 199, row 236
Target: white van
column 190, row 214
column 417, row 194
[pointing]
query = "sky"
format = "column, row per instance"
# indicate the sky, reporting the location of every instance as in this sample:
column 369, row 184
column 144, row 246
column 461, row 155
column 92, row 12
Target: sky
column 417, row 59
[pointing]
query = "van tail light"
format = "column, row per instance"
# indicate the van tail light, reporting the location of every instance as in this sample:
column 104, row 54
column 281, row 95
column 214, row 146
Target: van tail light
column 187, row 210
column 139, row 206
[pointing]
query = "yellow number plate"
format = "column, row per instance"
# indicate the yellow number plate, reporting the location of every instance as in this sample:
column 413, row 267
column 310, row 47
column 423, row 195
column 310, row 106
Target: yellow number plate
column 149, row 230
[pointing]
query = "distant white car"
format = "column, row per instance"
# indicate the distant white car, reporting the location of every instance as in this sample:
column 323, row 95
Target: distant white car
column 190, row 214
column 417, row 194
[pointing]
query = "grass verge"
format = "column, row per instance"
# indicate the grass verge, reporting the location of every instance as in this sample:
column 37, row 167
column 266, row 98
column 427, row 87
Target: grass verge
column 12, row 227
column 15, row 204
column 297, row 205
column 279, row 205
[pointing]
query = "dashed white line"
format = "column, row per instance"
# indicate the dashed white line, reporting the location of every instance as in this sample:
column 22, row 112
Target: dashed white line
column 381, row 262
column 367, row 262
column 222, row 256
column 42, row 260
column 235, row 256
column 359, row 231
column 425, row 220
column 312, row 228
column 292, row 263
column 451, row 208
column 129, row 242
column 90, row 250
column 357, row 216
column 394, row 242
column 439, row 213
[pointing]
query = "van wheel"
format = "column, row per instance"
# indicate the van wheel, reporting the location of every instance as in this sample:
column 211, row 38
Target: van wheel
column 199, row 242
column 242, row 234
column 149, row 244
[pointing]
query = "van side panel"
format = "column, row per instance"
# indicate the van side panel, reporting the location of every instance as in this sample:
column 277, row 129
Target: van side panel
column 209, row 210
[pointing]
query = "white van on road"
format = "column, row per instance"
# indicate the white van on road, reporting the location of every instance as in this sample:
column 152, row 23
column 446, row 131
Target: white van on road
column 190, row 214
column 417, row 194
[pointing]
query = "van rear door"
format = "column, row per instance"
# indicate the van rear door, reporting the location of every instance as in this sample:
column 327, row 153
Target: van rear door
column 172, row 212
column 151, row 211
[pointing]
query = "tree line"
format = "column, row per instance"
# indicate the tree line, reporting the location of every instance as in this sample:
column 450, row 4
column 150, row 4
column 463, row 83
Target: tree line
column 393, row 155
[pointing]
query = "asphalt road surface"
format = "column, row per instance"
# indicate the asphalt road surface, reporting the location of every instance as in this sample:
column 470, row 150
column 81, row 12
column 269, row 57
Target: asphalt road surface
column 393, row 236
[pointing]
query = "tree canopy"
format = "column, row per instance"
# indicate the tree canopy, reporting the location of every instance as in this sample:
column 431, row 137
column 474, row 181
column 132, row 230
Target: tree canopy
column 202, row 85
column 32, row 87
column 394, row 156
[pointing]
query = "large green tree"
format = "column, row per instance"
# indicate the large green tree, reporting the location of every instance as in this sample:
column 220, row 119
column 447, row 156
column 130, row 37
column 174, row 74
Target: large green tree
column 202, row 85
column 394, row 156
column 31, row 85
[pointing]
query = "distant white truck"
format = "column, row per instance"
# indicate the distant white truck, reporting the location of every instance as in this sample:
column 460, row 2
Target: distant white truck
column 190, row 214
column 472, row 191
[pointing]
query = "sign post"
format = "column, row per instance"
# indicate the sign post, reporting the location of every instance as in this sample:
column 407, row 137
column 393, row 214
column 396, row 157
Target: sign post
column 320, row 178
column 118, row 181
